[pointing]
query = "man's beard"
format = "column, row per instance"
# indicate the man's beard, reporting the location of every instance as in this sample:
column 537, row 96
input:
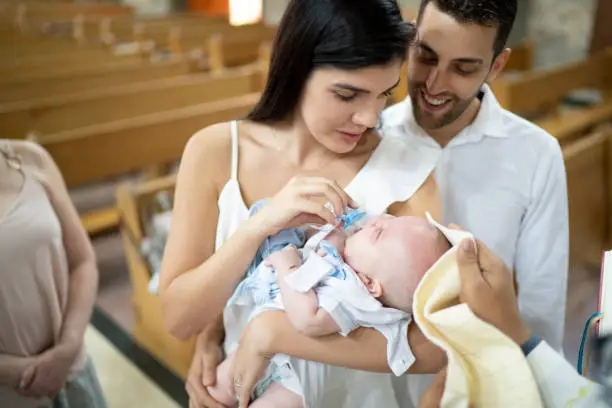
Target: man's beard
column 425, row 120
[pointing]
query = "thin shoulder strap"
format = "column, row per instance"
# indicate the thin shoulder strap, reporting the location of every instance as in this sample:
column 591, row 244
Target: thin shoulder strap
column 234, row 131
column 13, row 160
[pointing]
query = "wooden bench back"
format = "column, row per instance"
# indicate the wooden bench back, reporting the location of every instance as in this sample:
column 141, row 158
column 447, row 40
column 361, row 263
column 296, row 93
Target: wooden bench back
column 65, row 112
column 521, row 58
column 126, row 30
column 587, row 163
column 111, row 149
column 70, row 82
column 29, row 16
column 135, row 205
column 541, row 91
column 224, row 51
column 56, row 64
column 34, row 16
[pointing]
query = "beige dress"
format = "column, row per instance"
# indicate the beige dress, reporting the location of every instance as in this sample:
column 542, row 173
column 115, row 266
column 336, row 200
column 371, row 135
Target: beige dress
column 34, row 278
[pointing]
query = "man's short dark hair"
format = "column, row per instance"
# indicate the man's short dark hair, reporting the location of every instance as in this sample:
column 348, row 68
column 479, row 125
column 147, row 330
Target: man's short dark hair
column 492, row 13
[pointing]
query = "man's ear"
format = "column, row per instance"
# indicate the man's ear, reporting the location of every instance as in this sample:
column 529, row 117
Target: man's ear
column 499, row 64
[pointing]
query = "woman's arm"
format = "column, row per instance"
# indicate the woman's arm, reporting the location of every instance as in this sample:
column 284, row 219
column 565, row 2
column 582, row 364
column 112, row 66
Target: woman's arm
column 272, row 333
column 83, row 272
column 11, row 368
column 193, row 274
column 364, row 349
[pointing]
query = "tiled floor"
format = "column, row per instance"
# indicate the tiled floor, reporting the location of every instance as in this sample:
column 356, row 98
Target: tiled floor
column 123, row 384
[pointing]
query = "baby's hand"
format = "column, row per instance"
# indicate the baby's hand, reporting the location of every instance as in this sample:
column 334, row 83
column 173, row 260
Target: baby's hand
column 337, row 238
column 285, row 260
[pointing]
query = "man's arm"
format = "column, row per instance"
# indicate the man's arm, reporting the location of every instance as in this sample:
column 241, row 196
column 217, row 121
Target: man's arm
column 274, row 334
column 543, row 249
column 559, row 383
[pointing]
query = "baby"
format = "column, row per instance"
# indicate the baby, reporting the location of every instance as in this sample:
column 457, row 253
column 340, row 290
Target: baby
column 359, row 273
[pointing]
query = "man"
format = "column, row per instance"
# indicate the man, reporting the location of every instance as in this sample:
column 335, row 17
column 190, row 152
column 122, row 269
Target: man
column 499, row 176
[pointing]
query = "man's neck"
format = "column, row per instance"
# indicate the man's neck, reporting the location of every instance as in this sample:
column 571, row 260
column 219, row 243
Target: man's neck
column 444, row 135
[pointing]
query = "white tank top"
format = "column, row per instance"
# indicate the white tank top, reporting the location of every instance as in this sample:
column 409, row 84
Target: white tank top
column 394, row 172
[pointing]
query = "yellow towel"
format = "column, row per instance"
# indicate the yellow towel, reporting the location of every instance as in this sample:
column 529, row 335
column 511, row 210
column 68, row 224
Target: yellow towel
column 485, row 367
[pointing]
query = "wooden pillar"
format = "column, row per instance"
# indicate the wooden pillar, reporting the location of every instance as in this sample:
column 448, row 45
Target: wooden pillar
column 602, row 29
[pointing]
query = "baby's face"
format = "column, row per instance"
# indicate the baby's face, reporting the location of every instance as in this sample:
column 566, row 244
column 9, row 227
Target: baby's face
column 397, row 251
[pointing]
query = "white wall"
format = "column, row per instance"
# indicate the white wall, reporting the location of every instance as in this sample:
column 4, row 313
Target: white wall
column 560, row 30
column 273, row 10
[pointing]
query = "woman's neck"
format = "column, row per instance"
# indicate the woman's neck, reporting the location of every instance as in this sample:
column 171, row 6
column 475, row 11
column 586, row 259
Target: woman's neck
column 300, row 149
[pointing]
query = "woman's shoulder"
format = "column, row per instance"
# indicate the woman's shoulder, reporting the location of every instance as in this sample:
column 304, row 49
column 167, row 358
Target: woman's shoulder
column 210, row 142
column 208, row 151
column 33, row 155
column 36, row 160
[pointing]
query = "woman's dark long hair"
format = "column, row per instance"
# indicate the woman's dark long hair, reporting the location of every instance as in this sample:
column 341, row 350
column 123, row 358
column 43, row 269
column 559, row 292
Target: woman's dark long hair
column 344, row 34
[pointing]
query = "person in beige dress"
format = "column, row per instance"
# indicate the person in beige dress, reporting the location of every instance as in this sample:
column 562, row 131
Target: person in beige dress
column 48, row 284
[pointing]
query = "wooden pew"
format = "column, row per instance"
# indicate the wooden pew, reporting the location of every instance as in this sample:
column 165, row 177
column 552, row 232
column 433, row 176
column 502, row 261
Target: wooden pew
column 58, row 63
column 112, row 149
column 14, row 45
column 106, row 151
column 42, row 86
column 521, row 58
column 134, row 202
column 239, row 39
column 225, row 50
column 122, row 30
column 542, row 90
column 538, row 95
column 28, row 85
column 589, row 191
column 65, row 112
column 29, row 16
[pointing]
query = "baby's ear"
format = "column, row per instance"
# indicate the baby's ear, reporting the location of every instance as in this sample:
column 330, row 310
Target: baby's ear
column 374, row 286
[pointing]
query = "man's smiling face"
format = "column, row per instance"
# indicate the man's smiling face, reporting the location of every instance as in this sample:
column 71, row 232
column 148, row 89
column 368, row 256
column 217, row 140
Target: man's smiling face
column 447, row 66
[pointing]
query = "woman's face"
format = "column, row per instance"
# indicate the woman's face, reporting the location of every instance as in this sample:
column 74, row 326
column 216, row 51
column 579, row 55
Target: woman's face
column 338, row 106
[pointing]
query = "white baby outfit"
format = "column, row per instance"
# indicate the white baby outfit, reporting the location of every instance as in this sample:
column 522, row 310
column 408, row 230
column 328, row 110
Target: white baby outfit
column 394, row 172
column 340, row 292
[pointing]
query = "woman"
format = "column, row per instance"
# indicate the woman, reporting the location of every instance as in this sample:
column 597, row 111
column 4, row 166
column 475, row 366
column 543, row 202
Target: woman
column 309, row 140
column 48, row 283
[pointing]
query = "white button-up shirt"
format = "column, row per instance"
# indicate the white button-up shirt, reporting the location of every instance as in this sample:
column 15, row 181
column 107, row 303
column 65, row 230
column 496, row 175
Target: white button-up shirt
column 503, row 179
column 560, row 384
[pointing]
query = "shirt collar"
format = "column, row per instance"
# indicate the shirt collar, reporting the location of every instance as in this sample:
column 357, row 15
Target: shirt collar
column 488, row 122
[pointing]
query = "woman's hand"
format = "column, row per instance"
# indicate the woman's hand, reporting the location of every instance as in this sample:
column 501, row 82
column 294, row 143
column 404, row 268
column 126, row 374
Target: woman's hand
column 302, row 201
column 48, row 373
column 203, row 372
column 250, row 363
